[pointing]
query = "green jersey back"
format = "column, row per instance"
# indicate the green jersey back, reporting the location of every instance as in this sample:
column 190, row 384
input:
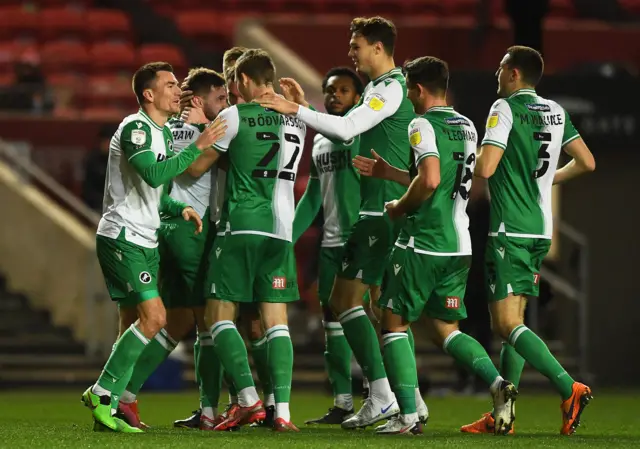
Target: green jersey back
column 440, row 226
column 339, row 185
column 532, row 131
column 264, row 151
column 388, row 138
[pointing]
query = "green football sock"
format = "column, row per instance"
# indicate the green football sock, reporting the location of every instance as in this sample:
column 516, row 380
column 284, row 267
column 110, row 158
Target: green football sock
column 151, row 358
column 412, row 342
column 280, row 361
column 115, row 374
column 210, row 372
column 196, row 367
column 467, row 351
column 260, row 355
column 337, row 358
column 232, row 353
column 228, row 380
column 400, row 363
column 511, row 364
column 364, row 342
column 536, row 352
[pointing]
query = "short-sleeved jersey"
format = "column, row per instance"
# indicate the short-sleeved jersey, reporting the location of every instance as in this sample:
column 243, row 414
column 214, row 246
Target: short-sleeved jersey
column 388, row 138
column 264, row 152
column 129, row 202
column 199, row 193
column 440, row 226
column 339, row 186
column 532, row 131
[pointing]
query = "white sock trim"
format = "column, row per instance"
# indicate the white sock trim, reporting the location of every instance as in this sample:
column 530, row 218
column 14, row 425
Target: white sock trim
column 127, row 397
column 138, row 334
column 513, row 337
column 351, row 314
column 331, row 325
column 255, row 344
column 248, row 397
column 449, row 338
column 170, row 339
column 282, row 411
column 204, row 336
column 221, row 326
column 166, row 344
column 279, row 330
column 393, row 336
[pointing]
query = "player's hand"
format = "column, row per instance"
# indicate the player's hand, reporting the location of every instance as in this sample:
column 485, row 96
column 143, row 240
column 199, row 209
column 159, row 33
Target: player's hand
column 185, row 97
column 212, row 134
column 189, row 214
column 185, row 114
column 293, row 92
column 376, row 167
column 277, row 103
column 392, row 209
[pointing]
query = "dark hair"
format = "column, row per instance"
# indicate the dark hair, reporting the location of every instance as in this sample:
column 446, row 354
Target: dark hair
column 376, row 29
column 201, row 80
column 528, row 61
column 146, row 75
column 257, row 65
column 232, row 55
column 344, row 71
column 430, row 72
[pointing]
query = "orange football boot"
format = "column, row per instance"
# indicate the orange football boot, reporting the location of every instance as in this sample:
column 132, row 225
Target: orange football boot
column 573, row 407
column 486, row 424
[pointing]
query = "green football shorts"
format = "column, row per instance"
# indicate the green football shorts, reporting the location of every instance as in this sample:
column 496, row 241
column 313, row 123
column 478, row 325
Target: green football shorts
column 253, row 268
column 329, row 266
column 513, row 265
column 130, row 271
column 417, row 283
column 368, row 247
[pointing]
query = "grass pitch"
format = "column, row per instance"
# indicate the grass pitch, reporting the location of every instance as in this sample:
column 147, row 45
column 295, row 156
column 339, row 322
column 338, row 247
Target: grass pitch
column 58, row 420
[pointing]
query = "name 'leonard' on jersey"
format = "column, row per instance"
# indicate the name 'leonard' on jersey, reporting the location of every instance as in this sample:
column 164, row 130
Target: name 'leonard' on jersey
column 265, row 148
column 532, row 131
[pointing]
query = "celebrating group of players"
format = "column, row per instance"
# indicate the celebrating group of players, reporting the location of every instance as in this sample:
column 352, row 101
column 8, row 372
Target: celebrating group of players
column 202, row 209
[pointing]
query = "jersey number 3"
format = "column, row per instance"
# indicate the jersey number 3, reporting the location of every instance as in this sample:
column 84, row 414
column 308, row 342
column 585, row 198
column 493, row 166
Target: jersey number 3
column 543, row 153
column 287, row 172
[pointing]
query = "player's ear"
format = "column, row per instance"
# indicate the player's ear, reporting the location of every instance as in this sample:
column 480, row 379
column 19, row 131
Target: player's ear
column 148, row 95
column 196, row 102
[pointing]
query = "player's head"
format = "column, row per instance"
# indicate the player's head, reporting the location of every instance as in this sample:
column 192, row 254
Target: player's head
column 427, row 80
column 156, row 86
column 209, row 90
column 520, row 67
column 254, row 70
column 229, row 66
column 231, row 56
column 342, row 89
column 372, row 42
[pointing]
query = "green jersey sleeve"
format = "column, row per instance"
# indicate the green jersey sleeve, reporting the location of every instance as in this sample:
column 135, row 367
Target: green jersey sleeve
column 422, row 138
column 499, row 124
column 135, row 141
column 570, row 131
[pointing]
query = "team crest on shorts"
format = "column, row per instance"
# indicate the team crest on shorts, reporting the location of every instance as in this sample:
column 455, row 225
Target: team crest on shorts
column 279, row 283
column 145, row 277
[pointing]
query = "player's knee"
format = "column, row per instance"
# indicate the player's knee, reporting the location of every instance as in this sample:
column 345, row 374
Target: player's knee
column 503, row 325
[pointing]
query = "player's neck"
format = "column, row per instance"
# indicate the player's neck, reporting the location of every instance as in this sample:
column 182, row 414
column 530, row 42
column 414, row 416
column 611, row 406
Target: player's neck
column 158, row 117
column 260, row 90
column 435, row 102
column 384, row 67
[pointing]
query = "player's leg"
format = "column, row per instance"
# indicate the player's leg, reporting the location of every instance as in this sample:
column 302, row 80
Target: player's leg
column 337, row 353
column 126, row 266
column 363, row 264
column 233, row 277
column 209, row 371
column 515, row 276
column 402, row 304
column 276, row 286
column 259, row 354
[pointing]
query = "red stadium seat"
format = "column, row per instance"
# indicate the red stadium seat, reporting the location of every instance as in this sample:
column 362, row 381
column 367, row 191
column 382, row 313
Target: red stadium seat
column 64, row 80
column 113, row 56
column 14, row 51
column 72, row 4
column 18, row 23
column 108, row 24
column 59, row 23
column 202, row 24
column 6, row 79
column 162, row 52
column 64, row 56
column 109, row 90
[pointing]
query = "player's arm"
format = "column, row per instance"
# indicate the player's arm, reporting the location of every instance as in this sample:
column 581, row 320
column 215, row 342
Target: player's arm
column 309, row 205
column 583, row 160
column 136, row 145
column 209, row 156
column 232, row 119
column 499, row 124
column 377, row 167
column 425, row 150
column 381, row 102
